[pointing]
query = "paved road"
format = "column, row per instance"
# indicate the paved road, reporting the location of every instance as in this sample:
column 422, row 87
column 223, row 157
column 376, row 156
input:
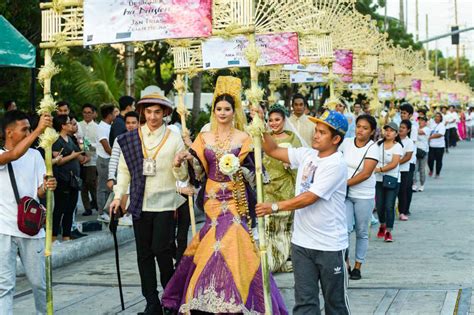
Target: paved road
column 428, row 269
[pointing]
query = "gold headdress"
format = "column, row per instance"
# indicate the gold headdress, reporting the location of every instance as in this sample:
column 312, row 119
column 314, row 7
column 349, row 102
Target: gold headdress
column 233, row 87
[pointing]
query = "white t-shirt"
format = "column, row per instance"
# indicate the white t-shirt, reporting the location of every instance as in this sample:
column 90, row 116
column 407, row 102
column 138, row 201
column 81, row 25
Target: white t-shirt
column 29, row 171
column 422, row 142
column 322, row 225
column 438, row 129
column 414, row 137
column 386, row 157
column 470, row 119
column 89, row 131
column 103, row 132
column 352, row 156
column 408, row 146
column 451, row 120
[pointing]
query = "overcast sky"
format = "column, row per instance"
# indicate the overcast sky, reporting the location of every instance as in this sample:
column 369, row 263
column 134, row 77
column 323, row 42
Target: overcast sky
column 440, row 19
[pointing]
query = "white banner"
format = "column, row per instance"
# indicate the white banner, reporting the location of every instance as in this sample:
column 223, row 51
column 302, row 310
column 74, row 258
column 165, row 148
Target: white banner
column 275, row 49
column 310, row 68
column 359, row 86
column 307, row 77
column 115, row 21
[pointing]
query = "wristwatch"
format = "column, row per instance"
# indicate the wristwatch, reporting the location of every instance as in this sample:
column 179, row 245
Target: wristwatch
column 275, row 207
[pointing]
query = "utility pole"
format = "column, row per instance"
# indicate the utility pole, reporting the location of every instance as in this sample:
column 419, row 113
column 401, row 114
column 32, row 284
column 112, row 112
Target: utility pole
column 406, row 15
column 385, row 16
column 129, row 69
column 402, row 14
column 446, row 61
column 457, row 46
column 416, row 21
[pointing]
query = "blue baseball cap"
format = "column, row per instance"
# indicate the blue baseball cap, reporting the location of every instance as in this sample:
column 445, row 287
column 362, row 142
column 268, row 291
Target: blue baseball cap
column 334, row 120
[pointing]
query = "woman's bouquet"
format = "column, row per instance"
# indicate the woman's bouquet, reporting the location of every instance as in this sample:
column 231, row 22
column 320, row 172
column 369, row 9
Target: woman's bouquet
column 229, row 164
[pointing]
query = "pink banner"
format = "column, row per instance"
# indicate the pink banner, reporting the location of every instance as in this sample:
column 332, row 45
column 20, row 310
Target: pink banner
column 343, row 64
column 115, row 21
column 278, row 49
column 416, row 86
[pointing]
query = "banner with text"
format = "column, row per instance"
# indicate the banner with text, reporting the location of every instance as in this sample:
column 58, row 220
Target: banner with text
column 114, row 21
column 275, row 49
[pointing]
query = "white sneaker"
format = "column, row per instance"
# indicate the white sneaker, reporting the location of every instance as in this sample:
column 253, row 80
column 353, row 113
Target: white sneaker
column 126, row 220
column 421, row 188
column 104, row 217
column 414, row 188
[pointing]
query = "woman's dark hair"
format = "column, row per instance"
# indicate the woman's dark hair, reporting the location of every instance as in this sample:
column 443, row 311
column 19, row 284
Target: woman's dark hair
column 397, row 139
column 59, row 121
column 278, row 111
column 440, row 116
column 225, row 97
column 368, row 118
column 407, row 124
column 407, row 108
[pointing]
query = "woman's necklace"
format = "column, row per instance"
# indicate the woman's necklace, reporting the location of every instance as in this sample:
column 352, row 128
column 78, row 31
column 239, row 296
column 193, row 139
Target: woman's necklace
column 221, row 148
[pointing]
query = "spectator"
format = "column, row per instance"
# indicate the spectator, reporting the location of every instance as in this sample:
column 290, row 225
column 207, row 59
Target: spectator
column 66, row 170
column 437, row 144
column 63, row 108
column 469, row 124
column 387, row 175
column 357, row 110
column 88, row 135
column 131, row 123
column 127, row 104
column 9, row 105
column 406, row 171
column 421, row 154
column 407, row 113
column 103, row 156
column 461, row 126
column 452, row 119
column 361, row 156
column 300, row 121
column 29, row 171
column 341, row 108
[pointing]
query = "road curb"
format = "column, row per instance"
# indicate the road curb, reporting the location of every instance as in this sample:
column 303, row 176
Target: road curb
column 84, row 247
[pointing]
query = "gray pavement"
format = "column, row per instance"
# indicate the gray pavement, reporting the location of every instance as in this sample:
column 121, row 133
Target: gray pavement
column 428, row 269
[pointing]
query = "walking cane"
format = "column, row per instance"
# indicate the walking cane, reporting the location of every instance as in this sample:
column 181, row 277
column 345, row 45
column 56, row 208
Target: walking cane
column 113, row 228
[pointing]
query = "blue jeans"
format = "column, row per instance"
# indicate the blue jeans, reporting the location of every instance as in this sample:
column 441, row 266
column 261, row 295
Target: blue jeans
column 31, row 253
column 385, row 204
column 359, row 213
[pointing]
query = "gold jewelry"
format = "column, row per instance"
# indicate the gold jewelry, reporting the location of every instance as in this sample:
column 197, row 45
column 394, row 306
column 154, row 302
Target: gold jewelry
column 222, row 148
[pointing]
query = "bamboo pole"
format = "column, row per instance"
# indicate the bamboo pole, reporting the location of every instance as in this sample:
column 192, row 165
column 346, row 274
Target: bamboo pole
column 49, row 206
column 257, row 124
column 181, row 108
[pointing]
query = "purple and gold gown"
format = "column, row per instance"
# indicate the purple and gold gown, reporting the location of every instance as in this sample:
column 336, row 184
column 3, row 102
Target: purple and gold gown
column 220, row 271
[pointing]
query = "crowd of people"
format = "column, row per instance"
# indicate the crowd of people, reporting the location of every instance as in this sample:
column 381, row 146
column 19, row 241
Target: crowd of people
column 325, row 176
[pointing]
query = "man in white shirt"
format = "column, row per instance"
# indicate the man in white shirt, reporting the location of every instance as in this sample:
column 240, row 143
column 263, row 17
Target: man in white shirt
column 29, row 171
column 406, row 113
column 319, row 238
column 103, row 156
column 469, row 123
column 452, row 119
column 88, row 136
column 299, row 119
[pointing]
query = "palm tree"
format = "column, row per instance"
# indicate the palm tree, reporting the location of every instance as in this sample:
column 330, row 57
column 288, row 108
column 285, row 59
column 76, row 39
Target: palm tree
column 101, row 82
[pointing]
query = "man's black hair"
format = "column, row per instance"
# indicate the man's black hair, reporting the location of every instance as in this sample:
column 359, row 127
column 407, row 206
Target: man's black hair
column 407, row 108
column 106, row 110
column 63, row 103
column 334, row 133
column 125, row 101
column 12, row 117
column 132, row 114
column 299, row 96
column 89, row 105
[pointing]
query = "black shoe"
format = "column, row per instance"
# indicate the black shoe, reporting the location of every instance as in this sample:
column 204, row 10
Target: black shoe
column 355, row 274
column 75, row 234
column 167, row 311
column 87, row 213
column 152, row 309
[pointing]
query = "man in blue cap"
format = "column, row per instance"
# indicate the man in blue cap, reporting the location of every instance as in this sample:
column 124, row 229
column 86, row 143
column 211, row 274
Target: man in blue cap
column 319, row 238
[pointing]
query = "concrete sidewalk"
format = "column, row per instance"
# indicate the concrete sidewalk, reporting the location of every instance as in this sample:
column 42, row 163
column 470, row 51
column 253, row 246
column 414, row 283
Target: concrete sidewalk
column 428, row 269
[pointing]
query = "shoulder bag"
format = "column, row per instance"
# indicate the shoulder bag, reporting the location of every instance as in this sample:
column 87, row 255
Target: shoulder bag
column 31, row 214
column 361, row 161
column 388, row 182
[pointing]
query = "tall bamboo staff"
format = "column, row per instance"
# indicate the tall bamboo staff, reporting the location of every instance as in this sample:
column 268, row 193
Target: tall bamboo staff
column 256, row 129
column 182, row 111
column 47, row 139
